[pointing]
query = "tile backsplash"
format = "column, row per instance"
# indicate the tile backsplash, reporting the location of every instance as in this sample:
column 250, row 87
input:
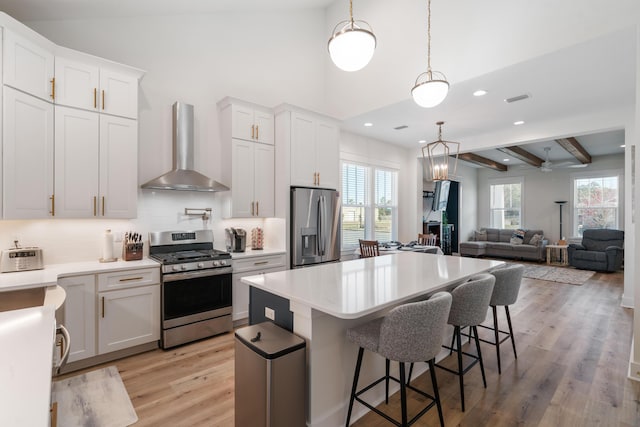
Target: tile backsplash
column 73, row 240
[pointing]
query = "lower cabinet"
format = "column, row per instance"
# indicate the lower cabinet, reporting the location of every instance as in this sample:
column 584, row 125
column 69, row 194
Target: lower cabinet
column 251, row 266
column 111, row 311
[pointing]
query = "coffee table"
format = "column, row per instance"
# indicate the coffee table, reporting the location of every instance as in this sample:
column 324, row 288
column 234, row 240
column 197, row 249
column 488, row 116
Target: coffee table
column 557, row 254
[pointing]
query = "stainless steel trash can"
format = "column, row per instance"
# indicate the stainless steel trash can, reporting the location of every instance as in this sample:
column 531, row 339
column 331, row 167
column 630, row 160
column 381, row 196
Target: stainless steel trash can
column 270, row 370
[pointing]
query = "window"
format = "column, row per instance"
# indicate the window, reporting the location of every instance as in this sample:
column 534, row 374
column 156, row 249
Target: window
column 595, row 203
column 369, row 204
column 506, row 204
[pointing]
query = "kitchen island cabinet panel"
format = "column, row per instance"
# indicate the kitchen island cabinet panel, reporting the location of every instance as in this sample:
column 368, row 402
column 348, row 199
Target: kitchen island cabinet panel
column 79, row 315
column 27, row 163
column 251, row 266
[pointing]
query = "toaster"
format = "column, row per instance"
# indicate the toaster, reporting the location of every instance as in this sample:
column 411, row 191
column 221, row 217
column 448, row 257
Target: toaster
column 21, row 259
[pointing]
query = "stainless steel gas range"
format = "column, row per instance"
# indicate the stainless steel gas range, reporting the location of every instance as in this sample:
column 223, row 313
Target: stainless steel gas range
column 196, row 286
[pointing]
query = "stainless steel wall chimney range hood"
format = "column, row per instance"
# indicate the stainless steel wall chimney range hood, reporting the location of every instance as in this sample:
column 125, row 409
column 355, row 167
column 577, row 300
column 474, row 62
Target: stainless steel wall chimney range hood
column 183, row 177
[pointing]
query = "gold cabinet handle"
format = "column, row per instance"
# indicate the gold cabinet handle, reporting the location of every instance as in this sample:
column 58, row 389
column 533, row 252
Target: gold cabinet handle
column 130, row 279
column 252, row 131
column 53, row 88
column 252, row 205
column 95, row 97
column 53, row 205
column 103, row 99
column 102, row 205
column 95, row 201
column 103, row 307
column 318, row 178
column 257, row 132
column 257, row 208
column 261, row 263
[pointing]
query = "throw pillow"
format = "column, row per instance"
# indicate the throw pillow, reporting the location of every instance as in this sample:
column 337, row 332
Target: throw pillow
column 536, row 239
column 517, row 237
column 480, row 235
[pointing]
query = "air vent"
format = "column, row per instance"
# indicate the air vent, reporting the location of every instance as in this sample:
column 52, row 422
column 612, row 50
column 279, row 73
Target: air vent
column 517, row 98
column 401, row 127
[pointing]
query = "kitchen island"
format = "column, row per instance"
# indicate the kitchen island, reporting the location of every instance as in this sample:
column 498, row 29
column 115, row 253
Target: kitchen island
column 328, row 299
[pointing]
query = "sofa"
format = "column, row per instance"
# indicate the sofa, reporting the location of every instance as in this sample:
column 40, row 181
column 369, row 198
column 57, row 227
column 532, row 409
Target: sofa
column 497, row 242
column 600, row 250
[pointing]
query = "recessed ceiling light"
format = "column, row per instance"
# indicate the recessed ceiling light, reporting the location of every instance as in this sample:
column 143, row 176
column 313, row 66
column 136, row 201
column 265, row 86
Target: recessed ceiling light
column 480, row 92
column 422, row 141
column 519, row 122
column 368, row 124
column 506, row 160
column 622, row 146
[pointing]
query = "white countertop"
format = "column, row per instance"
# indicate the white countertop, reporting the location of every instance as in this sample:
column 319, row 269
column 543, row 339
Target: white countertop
column 355, row 288
column 26, row 338
column 250, row 253
column 49, row 275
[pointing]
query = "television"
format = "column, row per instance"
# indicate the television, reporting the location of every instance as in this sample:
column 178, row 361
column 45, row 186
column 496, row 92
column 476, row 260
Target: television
column 441, row 195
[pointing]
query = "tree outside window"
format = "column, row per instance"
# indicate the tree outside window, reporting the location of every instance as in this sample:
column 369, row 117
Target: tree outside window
column 506, row 205
column 595, row 203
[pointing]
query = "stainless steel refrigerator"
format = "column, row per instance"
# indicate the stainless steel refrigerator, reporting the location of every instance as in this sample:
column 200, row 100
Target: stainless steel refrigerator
column 315, row 226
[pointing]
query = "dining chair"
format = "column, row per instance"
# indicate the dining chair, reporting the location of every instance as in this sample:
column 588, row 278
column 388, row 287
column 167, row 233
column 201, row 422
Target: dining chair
column 427, row 239
column 369, row 248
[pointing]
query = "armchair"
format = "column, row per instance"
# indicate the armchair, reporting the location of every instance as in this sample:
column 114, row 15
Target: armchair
column 601, row 250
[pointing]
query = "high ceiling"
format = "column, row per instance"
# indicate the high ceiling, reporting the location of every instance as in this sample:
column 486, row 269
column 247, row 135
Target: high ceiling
column 595, row 76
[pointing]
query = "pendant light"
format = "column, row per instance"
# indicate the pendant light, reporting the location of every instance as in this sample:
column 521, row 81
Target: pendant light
column 441, row 156
column 352, row 44
column 431, row 87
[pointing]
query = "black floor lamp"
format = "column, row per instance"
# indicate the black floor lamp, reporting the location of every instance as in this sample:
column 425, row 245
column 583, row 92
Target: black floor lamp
column 560, row 203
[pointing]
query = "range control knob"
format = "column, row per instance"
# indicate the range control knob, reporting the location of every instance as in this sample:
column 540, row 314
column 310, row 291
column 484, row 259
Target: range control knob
column 216, row 263
column 223, row 262
column 183, row 267
column 200, row 265
column 175, row 268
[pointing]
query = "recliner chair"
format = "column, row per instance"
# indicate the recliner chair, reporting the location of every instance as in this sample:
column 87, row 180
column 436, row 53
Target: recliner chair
column 601, row 250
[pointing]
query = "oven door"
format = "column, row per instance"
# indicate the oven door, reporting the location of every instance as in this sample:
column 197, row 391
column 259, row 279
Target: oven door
column 193, row 296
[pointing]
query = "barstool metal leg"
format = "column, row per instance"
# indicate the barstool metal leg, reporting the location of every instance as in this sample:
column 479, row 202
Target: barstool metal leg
column 460, row 375
column 475, row 333
column 436, row 393
column 496, row 332
column 386, row 381
column 355, row 384
column 410, row 372
column 513, row 341
column 403, row 395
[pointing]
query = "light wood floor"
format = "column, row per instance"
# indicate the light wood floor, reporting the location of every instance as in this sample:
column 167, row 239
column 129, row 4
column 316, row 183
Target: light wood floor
column 573, row 351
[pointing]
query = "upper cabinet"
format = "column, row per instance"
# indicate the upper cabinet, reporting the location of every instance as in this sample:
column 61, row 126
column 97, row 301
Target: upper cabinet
column 28, row 65
column 248, row 122
column 248, row 159
column 313, row 141
column 90, row 87
column 78, row 162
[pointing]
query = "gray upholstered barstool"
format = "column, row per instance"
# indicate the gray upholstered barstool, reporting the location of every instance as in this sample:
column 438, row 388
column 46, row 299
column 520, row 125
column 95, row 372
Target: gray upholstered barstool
column 505, row 293
column 469, row 308
column 409, row 333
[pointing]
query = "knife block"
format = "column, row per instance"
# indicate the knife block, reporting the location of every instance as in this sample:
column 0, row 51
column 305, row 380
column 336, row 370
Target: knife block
column 132, row 251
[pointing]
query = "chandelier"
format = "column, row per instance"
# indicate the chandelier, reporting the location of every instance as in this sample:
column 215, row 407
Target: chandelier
column 441, row 157
column 352, row 44
column 431, row 87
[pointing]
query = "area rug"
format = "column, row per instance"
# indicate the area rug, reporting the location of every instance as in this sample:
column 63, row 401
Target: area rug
column 97, row 399
column 570, row 276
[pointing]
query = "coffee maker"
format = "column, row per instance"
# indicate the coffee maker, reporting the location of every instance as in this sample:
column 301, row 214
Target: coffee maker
column 236, row 239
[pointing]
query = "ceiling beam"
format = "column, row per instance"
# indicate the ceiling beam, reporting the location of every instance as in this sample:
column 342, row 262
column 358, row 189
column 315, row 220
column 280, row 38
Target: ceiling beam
column 575, row 149
column 482, row 161
column 522, row 154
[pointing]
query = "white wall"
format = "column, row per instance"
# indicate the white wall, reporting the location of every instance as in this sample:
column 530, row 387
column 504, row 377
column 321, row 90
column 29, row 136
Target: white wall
column 541, row 190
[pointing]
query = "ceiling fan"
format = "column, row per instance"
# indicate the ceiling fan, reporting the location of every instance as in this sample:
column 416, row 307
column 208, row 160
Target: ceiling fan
column 548, row 165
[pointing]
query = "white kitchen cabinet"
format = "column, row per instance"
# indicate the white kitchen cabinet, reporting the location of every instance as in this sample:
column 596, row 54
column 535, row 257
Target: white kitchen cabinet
column 128, row 317
column 315, row 151
column 80, row 315
column 251, row 266
column 252, row 180
column 27, row 161
column 28, row 64
column 248, row 121
column 95, row 165
column 91, row 87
